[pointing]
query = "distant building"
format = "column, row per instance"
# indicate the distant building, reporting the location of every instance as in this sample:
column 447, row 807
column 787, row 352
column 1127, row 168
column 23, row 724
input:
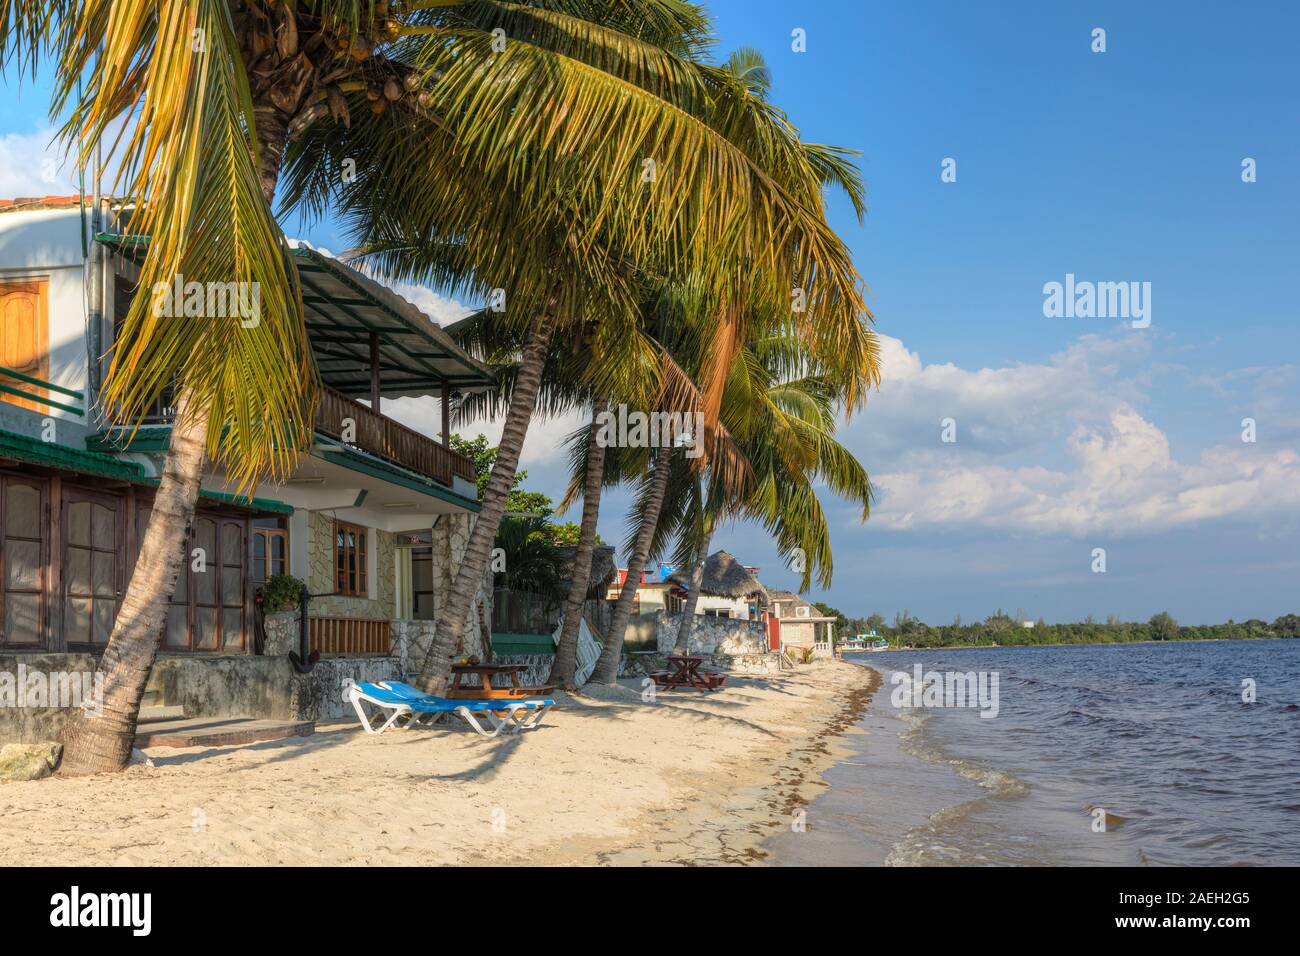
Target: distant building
column 654, row 591
column 727, row 588
column 796, row 623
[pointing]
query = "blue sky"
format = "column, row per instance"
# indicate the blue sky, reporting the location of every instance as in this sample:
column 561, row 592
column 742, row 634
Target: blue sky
column 1072, row 434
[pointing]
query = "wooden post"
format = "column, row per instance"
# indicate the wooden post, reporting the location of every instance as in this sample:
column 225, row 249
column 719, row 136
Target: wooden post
column 374, row 371
column 54, row 568
column 446, row 415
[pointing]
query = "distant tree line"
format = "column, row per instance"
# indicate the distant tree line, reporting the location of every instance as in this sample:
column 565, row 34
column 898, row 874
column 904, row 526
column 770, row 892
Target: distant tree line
column 1004, row 629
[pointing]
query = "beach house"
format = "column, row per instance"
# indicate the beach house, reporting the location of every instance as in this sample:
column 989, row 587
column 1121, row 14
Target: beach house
column 655, row 590
column 796, row 624
column 728, row 589
column 373, row 519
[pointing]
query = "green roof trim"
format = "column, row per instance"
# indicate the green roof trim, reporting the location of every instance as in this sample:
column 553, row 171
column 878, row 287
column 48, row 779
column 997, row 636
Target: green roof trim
column 398, row 476
column 506, row 643
column 37, row 452
column 147, row 438
column 243, row 501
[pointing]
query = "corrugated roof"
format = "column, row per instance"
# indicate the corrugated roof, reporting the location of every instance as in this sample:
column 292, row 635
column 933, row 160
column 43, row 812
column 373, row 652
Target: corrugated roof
column 342, row 308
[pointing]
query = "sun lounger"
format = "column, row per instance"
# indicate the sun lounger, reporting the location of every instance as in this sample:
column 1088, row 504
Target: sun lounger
column 405, row 711
column 526, row 713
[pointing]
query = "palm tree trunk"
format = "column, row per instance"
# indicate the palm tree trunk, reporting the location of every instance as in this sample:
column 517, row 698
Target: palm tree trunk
column 566, row 652
column 692, row 602
column 451, row 622
column 103, row 743
column 607, row 667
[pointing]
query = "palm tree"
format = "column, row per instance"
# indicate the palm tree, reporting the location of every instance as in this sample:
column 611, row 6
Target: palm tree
column 630, row 364
column 548, row 134
column 780, row 410
column 565, row 664
column 711, row 187
column 748, row 118
column 790, row 445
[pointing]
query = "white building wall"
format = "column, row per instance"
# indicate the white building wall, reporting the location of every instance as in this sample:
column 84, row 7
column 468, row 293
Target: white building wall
column 46, row 243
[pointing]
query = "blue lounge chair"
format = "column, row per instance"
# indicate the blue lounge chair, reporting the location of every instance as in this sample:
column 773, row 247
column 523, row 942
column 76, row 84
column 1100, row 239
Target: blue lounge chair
column 405, row 711
column 525, row 713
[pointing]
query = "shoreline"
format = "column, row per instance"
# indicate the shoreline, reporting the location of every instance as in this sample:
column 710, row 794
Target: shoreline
column 967, row 647
column 609, row 779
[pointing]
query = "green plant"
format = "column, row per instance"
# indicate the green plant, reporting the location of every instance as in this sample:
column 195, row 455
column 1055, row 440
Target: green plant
column 281, row 592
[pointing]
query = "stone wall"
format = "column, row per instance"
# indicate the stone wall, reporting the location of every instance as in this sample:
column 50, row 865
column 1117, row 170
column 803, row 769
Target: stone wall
column 266, row 687
column 26, row 678
column 539, row 667
column 720, row 636
column 202, row 686
column 640, row 664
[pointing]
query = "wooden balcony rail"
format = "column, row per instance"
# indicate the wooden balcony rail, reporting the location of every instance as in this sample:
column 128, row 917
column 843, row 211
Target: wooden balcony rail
column 382, row 436
column 33, row 391
column 348, row 637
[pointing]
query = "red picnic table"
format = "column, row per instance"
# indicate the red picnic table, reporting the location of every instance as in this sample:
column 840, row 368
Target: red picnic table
column 482, row 688
column 684, row 673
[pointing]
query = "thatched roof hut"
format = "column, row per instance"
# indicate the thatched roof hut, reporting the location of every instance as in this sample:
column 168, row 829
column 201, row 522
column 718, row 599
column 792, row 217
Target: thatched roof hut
column 602, row 568
column 724, row 576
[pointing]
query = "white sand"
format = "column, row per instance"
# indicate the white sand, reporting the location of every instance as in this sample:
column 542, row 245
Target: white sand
column 608, row 779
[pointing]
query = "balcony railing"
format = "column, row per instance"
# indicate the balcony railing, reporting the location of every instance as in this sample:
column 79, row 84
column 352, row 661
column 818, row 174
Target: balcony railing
column 371, row 432
column 349, row 637
column 380, row 435
column 30, row 389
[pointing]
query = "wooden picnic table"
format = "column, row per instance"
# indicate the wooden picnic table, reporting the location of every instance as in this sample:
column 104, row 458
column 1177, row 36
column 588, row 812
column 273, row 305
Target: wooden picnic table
column 464, row 686
column 684, row 673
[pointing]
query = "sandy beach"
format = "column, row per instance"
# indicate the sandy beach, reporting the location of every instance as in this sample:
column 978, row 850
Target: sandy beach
column 610, row 779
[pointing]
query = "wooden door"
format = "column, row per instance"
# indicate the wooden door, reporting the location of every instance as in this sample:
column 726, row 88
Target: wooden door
column 24, row 334
column 217, row 584
column 92, row 570
column 208, row 612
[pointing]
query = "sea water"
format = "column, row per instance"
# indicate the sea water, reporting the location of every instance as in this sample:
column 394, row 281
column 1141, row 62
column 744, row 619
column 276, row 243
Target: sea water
column 1121, row 754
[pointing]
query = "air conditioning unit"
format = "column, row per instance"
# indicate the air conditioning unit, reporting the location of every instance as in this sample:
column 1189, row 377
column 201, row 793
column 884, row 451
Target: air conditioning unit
column 802, row 610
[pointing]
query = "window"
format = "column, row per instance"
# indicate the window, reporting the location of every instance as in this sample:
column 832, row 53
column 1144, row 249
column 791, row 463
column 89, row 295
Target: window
column 24, row 328
column 270, row 549
column 422, row 584
column 22, row 556
column 350, row 559
column 717, row 612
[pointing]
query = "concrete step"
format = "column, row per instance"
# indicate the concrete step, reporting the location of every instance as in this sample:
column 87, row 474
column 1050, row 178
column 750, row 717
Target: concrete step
column 152, row 714
column 219, row 731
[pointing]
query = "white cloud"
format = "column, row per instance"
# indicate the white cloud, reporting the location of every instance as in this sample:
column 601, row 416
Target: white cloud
column 543, row 445
column 31, row 164
column 1058, row 447
column 442, row 310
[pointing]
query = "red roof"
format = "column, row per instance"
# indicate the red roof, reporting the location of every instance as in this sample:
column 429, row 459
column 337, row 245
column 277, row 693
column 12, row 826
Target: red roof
column 44, row 202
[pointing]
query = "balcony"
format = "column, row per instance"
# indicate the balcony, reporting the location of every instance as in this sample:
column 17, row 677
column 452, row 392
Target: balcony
column 366, row 341
column 379, row 435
